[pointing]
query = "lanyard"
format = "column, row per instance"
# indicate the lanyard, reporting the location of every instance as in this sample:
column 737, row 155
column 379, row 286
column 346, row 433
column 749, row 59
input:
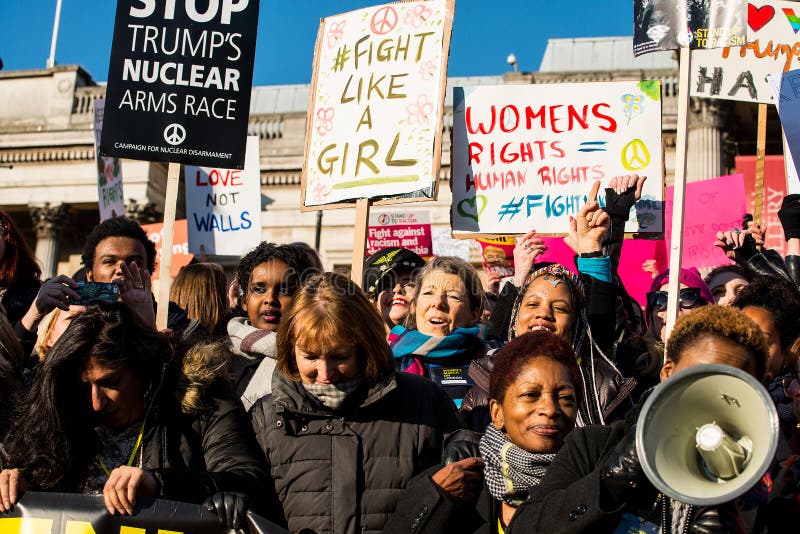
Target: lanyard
column 132, row 456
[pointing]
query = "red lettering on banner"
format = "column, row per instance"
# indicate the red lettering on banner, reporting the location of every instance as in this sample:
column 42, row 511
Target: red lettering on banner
column 223, row 177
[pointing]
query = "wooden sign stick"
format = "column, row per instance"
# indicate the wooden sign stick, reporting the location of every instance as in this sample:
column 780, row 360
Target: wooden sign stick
column 681, row 143
column 761, row 148
column 360, row 240
column 164, row 280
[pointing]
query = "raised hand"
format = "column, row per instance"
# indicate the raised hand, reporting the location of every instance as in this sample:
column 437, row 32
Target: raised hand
column 528, row 248
column 591, row 223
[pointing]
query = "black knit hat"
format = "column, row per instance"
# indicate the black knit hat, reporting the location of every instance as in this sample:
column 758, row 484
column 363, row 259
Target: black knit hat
column 379, row 266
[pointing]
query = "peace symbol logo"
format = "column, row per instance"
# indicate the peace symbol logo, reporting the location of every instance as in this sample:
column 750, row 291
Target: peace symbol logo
column 174, row 134
column 635, row 155
column 384, row 20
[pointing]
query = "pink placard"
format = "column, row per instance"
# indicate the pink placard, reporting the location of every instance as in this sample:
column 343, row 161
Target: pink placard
column 635, row 252
column 711, row 206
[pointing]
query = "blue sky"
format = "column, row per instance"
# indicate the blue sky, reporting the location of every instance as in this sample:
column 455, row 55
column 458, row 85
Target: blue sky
column 484, row 33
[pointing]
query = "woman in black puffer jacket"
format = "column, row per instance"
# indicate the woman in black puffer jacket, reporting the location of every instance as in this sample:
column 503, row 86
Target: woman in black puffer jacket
column 342, row 432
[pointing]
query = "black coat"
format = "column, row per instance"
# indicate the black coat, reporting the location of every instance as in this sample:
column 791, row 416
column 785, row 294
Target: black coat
column 571, row 497
column 343, row 472
column 423, row 509
column 195, row 456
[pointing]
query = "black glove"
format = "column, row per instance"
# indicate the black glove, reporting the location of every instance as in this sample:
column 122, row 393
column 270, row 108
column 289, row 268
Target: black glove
column 619, row 206
column 460, row 445
column 748, row 249
column 622, row 473
column 707, row 520
column 789, row 215
column 230, row 507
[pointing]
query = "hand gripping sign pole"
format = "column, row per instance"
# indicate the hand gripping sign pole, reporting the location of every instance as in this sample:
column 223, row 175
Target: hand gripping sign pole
column 164, row 279
column 676, row 245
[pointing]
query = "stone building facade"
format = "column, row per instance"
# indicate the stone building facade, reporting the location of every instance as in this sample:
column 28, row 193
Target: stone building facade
column 48, row 174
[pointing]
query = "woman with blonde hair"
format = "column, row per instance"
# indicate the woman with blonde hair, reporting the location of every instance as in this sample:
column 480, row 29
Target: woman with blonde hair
column 342, row 431
column 201, row 290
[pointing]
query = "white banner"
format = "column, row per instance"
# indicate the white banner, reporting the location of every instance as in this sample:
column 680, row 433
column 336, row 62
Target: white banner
column 223, row 206
column 525, row 156
column 773, row 46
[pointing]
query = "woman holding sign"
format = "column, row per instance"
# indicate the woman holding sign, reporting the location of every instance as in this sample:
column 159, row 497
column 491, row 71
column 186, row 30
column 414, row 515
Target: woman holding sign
column 554, row 299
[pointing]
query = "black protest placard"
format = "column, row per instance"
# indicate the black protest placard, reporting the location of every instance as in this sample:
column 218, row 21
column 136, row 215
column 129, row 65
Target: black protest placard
column 672, row 24
column 179, row 81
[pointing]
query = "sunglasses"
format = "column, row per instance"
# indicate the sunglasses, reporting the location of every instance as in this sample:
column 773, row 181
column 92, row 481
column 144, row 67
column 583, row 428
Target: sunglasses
column 690, row 298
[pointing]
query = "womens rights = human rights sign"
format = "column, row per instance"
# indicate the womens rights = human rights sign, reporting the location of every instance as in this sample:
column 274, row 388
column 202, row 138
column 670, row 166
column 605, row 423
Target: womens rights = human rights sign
column 525, row 156
column 179, row 81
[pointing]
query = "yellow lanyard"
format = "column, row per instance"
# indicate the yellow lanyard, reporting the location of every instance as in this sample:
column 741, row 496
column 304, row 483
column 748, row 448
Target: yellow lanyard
column 133, row 452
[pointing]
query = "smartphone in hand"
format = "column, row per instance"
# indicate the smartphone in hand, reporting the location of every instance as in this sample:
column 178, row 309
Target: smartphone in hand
column 92, row 291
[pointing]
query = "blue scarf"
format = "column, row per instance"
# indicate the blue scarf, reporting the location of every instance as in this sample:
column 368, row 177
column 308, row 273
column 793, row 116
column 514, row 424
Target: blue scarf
column 458, row 346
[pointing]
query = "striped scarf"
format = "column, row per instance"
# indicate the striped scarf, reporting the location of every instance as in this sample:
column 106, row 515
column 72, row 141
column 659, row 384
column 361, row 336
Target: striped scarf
column 510, row 471
column 460, row 345
column 333, row 395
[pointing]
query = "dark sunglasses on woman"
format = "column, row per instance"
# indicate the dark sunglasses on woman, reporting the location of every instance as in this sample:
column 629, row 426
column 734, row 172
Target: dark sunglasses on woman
column 690, row 298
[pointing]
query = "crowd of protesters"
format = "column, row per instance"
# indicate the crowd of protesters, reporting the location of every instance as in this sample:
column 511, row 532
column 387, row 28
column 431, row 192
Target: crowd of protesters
column 422, row 400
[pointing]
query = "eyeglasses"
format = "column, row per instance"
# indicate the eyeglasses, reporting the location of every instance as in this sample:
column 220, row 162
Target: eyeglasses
column 690, row 298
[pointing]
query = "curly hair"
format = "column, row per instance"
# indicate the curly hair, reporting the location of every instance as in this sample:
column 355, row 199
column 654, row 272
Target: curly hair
column 117, row 227
column 17, row 262
column 780, row 298
column 328, row 309
column 722, row 322
column 449, row 265
column 295, row 257
column 511, row 360
column 53, row 441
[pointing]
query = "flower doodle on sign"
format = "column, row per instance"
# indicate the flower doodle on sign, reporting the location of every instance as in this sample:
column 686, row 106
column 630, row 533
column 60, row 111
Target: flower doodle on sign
column 324, row 123
column 418, row 111
column 417, row 16
column 634, row 105
column 427, row 69
column 319, row 192
column 335, row 33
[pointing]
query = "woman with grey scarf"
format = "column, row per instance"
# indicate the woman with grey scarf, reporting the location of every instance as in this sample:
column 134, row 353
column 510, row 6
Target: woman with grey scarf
column 343, row 433
column 534, row 392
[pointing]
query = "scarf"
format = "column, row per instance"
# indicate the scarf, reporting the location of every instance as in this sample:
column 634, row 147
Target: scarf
column 114, row 447
column 510, row 471
column 251, row 369
column 333, row 395
column 459, row 346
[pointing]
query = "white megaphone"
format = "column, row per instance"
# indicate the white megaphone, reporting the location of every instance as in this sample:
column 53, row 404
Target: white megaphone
column 707, row 434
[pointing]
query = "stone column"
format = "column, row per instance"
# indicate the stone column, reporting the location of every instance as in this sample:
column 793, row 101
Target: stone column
column 48, row 220
column 142, row 212
column 706, row 122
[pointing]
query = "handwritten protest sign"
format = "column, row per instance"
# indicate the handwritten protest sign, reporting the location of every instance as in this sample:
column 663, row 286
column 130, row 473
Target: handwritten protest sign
column 180, row 245
column 741, row 73
column 524, row 156
column 375, row 119
column 407, row 229
column 179, row 81
column 110, row 199
column 711, row 206
column 671, row 24
column 223, row 206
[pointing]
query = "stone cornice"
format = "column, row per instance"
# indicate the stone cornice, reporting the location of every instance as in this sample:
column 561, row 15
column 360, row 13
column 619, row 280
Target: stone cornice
column 47, row 154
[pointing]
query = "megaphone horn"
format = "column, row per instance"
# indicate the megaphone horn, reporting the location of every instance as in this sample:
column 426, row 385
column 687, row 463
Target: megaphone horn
column 707, row 434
